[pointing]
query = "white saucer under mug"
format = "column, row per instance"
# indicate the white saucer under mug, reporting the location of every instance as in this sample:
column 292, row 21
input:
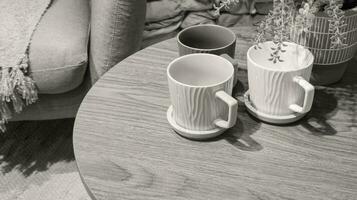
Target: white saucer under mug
column 191, row 134
column 272, row 119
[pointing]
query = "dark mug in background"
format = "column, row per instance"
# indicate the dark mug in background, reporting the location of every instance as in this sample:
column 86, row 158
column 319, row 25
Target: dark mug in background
column 208, row 38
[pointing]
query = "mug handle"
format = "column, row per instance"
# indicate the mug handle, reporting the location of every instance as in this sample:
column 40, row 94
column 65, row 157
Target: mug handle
column 309, row 95
column 232, row 110
column 235, row 66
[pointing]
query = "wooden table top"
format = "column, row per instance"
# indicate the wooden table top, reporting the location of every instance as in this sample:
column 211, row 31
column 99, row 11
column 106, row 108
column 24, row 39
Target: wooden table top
column 125, row 148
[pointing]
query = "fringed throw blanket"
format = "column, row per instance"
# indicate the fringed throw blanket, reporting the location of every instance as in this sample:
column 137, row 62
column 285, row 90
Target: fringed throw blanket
column 18, row 20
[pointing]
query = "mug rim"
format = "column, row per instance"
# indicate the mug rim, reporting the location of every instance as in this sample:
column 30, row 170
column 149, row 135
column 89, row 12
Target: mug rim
column 199, row 86
column 309, row 64
column 202, row 25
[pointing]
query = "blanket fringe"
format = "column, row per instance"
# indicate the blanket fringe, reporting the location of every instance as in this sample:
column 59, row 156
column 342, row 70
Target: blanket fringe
column 16, row 89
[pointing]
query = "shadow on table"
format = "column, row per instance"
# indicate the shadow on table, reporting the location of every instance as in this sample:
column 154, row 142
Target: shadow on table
column 324, row 106
column 337, row 101
column 346, row 91
column 33, row 146
column 240, row 136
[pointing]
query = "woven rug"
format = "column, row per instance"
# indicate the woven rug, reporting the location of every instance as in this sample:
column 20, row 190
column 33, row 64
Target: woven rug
column 18, row 20
column 37, row 162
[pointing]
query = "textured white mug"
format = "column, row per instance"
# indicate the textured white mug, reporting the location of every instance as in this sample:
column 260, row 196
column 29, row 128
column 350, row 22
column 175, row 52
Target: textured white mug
column 200, row 88
column 280, row 88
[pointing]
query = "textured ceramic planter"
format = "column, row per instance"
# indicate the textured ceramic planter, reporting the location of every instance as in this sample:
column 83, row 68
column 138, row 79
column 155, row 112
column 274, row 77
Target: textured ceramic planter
column 330, row 64
column 282, row 88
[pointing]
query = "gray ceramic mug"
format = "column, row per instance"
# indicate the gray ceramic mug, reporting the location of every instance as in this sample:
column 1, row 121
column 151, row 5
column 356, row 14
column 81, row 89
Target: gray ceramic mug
column 208, row 38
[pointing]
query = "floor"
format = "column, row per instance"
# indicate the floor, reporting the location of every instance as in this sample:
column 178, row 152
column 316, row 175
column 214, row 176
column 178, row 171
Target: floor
column 37, row 162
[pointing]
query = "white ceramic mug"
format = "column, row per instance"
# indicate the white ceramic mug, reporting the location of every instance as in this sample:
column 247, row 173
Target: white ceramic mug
column 200, row 88
column 281, row 88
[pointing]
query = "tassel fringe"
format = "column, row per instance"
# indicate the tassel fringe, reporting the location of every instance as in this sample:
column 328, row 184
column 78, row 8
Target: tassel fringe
column 16, row 90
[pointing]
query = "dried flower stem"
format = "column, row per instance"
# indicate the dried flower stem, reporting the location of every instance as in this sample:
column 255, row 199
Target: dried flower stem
column 224, row 4
column 336, row 23
column 283, row 24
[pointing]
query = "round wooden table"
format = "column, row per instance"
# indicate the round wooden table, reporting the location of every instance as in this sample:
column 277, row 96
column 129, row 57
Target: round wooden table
column 125, row 148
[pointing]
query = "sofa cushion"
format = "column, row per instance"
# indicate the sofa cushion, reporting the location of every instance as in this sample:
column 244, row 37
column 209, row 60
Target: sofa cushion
column 55, row 106
column 58, row 51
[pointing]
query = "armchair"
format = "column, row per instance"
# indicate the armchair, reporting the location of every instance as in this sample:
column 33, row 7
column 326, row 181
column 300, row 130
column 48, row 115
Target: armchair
column 75, row 43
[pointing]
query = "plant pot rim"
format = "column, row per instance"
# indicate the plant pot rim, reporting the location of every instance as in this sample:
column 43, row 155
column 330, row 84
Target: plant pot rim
column 348, row 13
column 308, row 64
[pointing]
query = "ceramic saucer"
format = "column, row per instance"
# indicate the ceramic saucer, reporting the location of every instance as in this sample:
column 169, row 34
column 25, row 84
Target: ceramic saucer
column 196, row 135
column 272, row 119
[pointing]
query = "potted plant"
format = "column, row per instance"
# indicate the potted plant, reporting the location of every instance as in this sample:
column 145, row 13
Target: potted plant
column 332, row 39
column 280, row 62
column 327, row 27
column 279, row 68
